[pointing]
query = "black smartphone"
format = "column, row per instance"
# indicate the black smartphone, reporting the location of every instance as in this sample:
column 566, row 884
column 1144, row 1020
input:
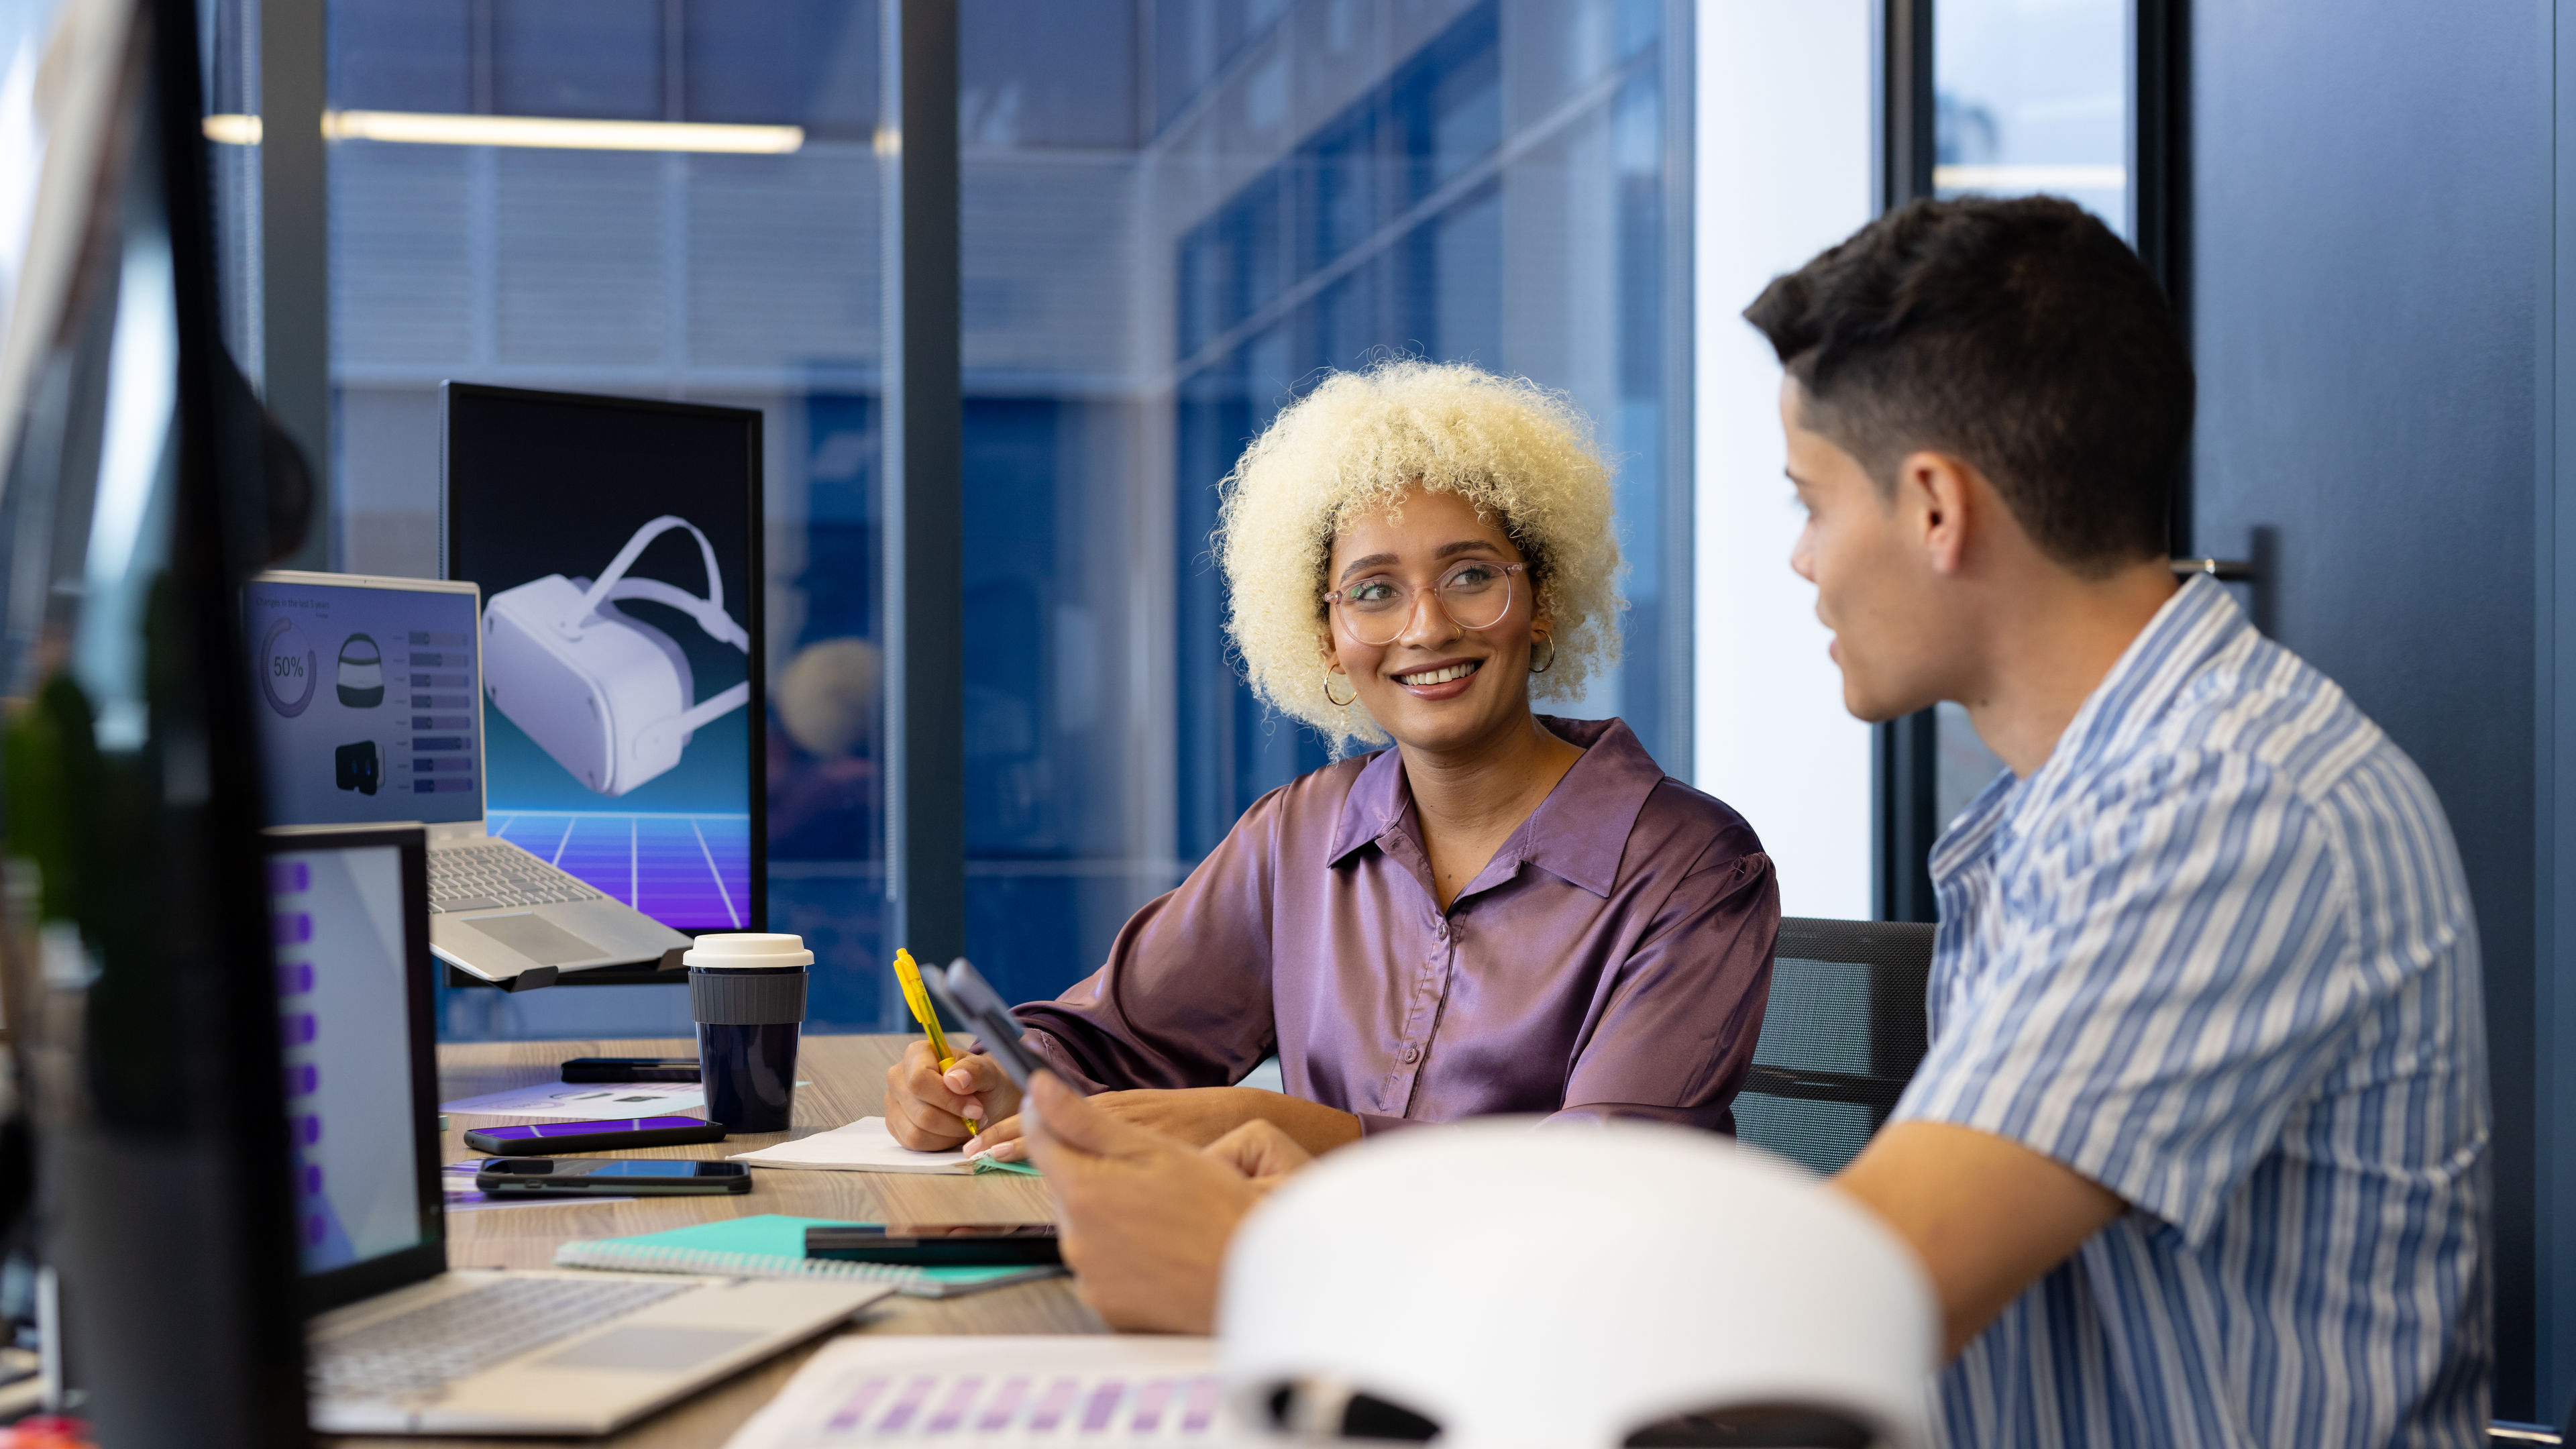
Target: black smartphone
column 551, row 1137
column 631, row 1069
column 973, row 1001
column 609, row 1177
column 948, row 1244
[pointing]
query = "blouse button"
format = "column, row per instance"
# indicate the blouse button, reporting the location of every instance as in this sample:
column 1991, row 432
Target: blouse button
column 1412, row 1054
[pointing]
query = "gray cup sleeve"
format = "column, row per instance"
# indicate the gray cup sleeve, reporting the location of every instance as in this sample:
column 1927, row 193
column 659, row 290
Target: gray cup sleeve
column 747, row 998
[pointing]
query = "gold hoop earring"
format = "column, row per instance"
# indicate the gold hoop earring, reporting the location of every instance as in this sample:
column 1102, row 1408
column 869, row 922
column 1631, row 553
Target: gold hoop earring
column 1328, row 691
column 1550, row 642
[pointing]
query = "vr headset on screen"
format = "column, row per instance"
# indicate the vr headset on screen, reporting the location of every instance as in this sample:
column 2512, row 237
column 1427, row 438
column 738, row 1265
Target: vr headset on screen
column 609, row 696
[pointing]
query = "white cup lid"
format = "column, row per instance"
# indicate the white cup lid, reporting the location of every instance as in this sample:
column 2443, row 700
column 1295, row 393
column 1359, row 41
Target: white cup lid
column 746, row 951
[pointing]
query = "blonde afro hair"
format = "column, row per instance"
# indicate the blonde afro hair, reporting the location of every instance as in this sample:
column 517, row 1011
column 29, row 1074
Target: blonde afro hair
column 1355, row 446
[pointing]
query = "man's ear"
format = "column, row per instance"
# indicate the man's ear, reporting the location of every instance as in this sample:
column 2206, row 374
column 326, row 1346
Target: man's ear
column 1934, row 491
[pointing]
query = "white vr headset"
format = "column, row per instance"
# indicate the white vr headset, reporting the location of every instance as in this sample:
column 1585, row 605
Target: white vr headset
column 608, row 695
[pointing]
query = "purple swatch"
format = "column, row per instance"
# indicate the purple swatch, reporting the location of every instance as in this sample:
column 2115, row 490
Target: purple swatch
column 1006, row 1403
column 851, row 1412
column 961, row 1396
column 1051, row 1408
column 904, row 1408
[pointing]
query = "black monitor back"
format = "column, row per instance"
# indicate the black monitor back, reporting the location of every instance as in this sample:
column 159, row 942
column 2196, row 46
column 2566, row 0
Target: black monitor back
column 137, row 964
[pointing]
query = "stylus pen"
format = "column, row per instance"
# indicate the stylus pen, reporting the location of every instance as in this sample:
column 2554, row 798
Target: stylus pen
column 917, row 996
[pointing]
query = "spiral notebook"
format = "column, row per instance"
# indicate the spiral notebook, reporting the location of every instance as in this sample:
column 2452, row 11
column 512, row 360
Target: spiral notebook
column 771, row 1245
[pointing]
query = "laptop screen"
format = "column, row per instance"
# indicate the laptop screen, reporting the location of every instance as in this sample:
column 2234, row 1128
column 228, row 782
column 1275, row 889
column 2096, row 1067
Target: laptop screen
column 345, row 1009
column 366, row 701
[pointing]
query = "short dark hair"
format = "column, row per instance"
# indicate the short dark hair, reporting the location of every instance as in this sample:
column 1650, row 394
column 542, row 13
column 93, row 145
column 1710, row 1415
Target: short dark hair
column 2020, row 335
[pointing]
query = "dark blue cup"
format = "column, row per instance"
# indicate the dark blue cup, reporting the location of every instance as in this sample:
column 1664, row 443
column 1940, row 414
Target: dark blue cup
column 747, row 992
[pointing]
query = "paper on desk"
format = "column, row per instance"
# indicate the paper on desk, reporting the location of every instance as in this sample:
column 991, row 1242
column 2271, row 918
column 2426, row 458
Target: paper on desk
column 587, row 1101
column 1065, row 1389
column 866, row 1146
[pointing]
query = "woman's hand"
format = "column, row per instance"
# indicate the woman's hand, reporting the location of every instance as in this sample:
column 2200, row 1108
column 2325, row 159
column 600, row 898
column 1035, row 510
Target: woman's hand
column 1144, row 1220
column 1198, row 1116
column 926, row 1109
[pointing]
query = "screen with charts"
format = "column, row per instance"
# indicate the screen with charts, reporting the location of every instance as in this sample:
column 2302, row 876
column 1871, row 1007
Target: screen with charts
column 345, row 1015
column 614, row 542
column 365, row 701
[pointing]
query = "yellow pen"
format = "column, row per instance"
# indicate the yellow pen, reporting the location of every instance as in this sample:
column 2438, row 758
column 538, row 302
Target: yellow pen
column 907, row 972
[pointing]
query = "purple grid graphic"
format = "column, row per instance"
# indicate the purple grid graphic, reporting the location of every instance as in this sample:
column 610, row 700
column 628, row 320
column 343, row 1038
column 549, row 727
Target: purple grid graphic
column 690, row 872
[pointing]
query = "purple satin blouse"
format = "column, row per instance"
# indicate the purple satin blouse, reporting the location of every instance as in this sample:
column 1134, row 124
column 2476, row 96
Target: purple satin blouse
column 1612, row 959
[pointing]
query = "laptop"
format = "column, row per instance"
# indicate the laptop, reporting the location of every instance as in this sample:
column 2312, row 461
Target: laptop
column 396, row 1342
column 370, row 713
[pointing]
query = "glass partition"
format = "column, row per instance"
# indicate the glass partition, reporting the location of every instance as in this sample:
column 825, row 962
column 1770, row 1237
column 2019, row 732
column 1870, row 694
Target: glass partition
column 1176, row 215
column 1174, row 212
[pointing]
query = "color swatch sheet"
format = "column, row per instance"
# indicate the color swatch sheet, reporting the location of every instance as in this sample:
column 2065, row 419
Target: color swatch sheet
column 690, row 872
column 1098, row 1392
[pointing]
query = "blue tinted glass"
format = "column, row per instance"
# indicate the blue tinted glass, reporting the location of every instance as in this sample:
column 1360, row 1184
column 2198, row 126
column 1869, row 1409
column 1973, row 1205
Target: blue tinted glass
column 402, row 55
column 811, row 63
column 1327, row 183
column 743, row 280
column 599, row 58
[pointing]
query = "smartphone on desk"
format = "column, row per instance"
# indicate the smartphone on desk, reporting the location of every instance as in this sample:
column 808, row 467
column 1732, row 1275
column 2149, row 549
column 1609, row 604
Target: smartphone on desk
column 954, row 1245
column 631, row 1069
column 609, row 1177
column 553, row 1137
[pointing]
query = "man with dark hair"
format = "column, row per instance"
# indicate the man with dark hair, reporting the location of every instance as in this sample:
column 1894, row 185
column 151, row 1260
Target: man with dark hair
column 2199, row 1153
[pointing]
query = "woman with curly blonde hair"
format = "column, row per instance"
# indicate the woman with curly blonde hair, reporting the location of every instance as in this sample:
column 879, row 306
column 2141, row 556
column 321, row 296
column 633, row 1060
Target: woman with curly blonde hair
column 1505, row 912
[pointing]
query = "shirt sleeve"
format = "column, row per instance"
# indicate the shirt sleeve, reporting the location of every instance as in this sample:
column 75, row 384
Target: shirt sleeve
column 1675, row 1036
column 2174, row 974
column 1184, row 999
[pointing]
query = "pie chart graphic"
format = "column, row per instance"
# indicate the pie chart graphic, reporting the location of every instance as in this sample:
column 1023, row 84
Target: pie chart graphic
column 288, row 668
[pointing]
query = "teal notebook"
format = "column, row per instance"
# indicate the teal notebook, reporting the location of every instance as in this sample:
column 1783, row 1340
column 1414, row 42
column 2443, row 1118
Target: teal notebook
column 772, row 1245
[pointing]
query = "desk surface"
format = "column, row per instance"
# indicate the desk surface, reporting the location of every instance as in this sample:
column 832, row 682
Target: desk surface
column 847, row 1081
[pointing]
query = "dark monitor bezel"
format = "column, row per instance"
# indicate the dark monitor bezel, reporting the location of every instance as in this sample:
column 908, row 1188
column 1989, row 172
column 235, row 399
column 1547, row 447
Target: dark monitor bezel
column 755, row 590
column 321, row 1292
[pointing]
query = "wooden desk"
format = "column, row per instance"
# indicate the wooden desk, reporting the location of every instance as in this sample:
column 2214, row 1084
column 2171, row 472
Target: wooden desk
column 847, row 1081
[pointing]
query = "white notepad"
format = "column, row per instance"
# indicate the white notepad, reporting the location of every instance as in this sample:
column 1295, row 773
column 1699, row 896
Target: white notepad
column 863, row 1146
column 1078, row 1390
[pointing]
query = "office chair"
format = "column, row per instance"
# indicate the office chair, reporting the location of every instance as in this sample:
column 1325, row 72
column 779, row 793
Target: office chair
column 1844, row 1033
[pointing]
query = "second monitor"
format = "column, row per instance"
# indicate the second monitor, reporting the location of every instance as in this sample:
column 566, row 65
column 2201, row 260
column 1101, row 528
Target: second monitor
column 617, row 541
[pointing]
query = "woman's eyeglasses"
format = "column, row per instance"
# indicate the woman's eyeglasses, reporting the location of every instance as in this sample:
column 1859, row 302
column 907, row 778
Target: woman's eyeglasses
column 1377, row 610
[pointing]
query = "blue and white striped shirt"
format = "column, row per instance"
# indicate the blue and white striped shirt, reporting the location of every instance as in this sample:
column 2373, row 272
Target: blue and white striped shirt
column 2217, row 956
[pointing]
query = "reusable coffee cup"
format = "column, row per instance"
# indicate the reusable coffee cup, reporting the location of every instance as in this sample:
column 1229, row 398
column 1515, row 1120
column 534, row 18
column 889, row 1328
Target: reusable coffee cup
column 747, row 992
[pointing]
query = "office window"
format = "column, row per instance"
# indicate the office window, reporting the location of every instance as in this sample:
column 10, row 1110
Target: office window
column 2034, row 96
column 745, row 280
column 1300, row 186
column 1174, row 214
column 2030, row 97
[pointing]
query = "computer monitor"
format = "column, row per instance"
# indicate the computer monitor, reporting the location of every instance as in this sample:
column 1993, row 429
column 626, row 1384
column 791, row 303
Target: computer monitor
column 142, row 1020
column 350, row 910
column 617, row 544
column 367, row 696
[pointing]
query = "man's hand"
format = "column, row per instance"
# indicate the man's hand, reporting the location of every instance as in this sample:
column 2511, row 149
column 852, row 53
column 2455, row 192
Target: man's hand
column 926, row 1110
column 1144, row 1219
column 1200, row 1116
column 1987, row 1217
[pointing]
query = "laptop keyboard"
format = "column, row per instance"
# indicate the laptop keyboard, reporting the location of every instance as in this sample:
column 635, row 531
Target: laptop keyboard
column 481, row 877
column 414, row 1354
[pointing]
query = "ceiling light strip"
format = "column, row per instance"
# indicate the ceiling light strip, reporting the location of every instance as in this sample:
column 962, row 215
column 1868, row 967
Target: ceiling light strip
column 423, row 128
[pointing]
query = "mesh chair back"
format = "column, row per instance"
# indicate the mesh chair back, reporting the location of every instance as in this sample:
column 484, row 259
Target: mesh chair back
column 1842, row 1036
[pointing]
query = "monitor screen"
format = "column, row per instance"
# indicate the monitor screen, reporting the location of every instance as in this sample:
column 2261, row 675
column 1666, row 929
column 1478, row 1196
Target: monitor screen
column 365, row 700
column 616, row 544
column 344, row 1003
